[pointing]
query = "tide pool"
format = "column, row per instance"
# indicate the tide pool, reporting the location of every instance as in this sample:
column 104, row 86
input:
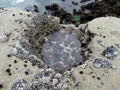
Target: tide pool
column 29, row 4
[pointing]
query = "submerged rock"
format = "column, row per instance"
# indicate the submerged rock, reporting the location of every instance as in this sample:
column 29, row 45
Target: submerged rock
column 62, row 51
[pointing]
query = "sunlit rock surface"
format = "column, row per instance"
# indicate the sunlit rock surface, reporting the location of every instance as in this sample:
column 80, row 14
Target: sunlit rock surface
column 106, row 32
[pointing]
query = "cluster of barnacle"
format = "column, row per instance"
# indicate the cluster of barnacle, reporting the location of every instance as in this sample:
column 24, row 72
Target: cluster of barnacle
column 110, row 53
column 85, row 37
column 99, row 63
column 47, row 79
column 20, row 85
column 62, row 50
column 23, row 53
column 40, row 27
column 29, row 43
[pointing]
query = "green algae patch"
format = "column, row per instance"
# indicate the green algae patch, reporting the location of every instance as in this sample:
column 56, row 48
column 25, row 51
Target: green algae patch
column 75, row 18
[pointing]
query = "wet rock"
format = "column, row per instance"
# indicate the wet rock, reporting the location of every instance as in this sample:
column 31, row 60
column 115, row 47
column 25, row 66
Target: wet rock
column 62, row 51
column 29, row 8
column 82, row 1
column 74, row 3
column 110, row 52
column 54, row 6
column 64, row 16
column 20, row 85
column 100, row 8
column 99, row 63
column 36, row 8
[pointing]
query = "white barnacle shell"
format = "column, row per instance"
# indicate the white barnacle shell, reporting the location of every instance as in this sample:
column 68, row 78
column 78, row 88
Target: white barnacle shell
column 5, row 37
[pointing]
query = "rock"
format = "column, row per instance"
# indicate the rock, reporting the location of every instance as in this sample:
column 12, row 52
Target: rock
column 82, row 1
column 9, row 33
column 54, row 6
column 100, row 8
column 36, row 8
column 20, row 52
column 85, row 77
column 101, row 72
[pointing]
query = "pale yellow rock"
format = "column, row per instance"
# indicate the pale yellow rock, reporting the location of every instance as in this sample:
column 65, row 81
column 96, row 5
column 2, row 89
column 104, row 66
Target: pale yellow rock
column 107, row 30
column 8, row 24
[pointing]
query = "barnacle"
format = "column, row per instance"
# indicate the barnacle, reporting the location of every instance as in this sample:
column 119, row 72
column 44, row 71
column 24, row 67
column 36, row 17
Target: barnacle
column 5, row 37
column 47, row 79
column 62, row 51
column 29, row 43
column 102, row 63
column 110, row 52
column 20, row 85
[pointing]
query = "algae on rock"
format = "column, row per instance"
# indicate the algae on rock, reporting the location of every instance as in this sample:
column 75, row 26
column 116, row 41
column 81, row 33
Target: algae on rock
column 40, row 27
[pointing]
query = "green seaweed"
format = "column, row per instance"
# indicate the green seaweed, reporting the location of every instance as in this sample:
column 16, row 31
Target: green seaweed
column 75, row 18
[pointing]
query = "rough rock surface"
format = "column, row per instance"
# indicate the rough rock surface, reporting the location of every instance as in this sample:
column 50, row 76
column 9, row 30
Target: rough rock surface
column 106, row 32
column 83, row 77
column 13, row 69
column 48, row 79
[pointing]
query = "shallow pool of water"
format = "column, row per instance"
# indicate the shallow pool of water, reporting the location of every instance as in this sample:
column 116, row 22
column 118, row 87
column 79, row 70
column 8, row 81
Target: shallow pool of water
column 28, row 4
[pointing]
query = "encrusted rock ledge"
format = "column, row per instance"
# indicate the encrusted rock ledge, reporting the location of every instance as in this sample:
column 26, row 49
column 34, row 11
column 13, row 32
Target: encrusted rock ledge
column 95, row 45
